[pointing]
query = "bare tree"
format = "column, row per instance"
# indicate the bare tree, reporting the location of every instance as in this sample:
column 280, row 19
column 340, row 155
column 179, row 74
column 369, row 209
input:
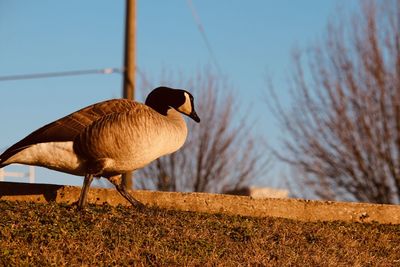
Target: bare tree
column 220, row 154
column 343, row 127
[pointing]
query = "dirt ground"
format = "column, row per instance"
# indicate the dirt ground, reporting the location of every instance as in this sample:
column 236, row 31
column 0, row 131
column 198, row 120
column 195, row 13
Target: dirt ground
column 58, row 234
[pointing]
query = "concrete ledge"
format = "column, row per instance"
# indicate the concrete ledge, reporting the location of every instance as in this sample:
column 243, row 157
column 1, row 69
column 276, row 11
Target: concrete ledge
column 303, row 210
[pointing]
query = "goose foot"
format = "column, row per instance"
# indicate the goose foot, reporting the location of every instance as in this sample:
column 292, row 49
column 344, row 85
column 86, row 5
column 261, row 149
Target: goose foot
column 117, row 182
column 81, row 203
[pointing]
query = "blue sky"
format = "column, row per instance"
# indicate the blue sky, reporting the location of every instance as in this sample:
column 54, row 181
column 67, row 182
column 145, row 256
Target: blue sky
column 248, row 38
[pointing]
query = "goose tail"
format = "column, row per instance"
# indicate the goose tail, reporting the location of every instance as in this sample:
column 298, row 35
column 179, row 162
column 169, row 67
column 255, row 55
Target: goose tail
column 2, row 165
column 2, row 161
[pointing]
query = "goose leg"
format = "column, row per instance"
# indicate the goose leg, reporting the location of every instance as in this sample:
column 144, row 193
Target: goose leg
column 85, row 189
column 120, row 186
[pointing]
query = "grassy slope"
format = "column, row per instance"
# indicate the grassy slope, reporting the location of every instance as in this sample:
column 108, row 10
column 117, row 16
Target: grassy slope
column 45, row 234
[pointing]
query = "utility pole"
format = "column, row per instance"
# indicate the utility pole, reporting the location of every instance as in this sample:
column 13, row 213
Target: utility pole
column 129, row 65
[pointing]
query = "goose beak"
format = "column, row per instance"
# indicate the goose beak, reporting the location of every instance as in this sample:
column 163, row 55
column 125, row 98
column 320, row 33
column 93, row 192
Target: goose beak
column 194, row 116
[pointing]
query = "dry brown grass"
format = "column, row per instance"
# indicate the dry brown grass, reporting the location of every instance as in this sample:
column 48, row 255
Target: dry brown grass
column 54, row 234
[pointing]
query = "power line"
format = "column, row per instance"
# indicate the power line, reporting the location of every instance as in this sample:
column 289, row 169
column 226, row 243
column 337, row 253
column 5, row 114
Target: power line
column 203, row 34
column 59, row 74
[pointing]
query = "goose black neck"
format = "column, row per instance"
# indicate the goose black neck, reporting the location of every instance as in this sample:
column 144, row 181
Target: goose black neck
column 160, row 99
column 162, row 109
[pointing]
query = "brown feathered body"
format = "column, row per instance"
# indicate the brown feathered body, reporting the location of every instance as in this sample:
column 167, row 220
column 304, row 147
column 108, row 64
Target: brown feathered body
column 105, row 139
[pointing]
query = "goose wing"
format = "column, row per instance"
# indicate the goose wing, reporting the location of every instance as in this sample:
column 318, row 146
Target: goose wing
column 68, row 127
column 116, row 132
column 134, row 137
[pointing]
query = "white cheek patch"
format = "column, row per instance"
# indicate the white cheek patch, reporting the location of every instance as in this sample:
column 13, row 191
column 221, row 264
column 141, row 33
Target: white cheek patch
column 186, row 108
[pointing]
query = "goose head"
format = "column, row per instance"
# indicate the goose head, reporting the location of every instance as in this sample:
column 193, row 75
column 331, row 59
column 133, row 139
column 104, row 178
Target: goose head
column 162, row 99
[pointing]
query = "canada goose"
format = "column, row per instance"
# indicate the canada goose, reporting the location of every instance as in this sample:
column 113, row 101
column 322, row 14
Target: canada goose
column 109, row 138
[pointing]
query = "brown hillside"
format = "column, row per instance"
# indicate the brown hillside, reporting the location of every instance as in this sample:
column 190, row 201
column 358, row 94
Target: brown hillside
column 57, row 234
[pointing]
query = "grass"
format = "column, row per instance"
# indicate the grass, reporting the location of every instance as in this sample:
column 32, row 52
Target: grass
column 57, row 234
